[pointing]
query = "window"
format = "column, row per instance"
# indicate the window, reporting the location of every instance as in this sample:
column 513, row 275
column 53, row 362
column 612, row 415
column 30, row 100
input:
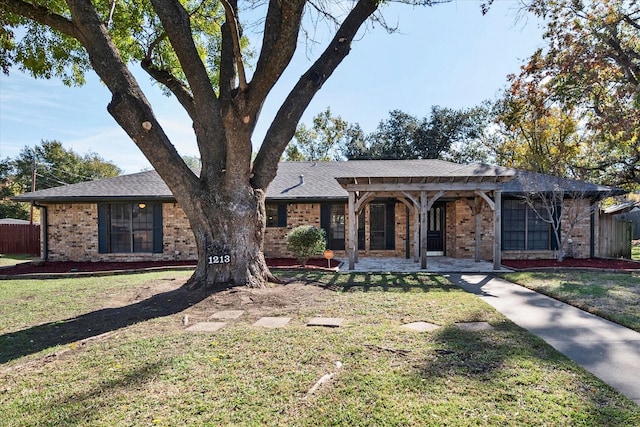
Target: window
column 332, row 221
column 130, row 228
column 276, row 214
column 523, row 228
column 382, row 226
column 377, row 227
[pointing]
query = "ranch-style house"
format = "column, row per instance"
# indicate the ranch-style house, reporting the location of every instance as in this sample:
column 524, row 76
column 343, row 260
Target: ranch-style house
column 386, row 208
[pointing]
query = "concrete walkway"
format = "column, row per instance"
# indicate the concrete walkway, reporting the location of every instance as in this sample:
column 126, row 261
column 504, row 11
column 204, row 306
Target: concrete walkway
column 609, row 351
column 435, row 264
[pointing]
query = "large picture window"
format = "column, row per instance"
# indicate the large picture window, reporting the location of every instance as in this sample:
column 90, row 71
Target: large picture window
column 130, row 228
column 526, row 228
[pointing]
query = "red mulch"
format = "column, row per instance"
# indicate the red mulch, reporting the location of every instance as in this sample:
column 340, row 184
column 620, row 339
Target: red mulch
column 595, row 263
column 77, row 267
column 316, row 263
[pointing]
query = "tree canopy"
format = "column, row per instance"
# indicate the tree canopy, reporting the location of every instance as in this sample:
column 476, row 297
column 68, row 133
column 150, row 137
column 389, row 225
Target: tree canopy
column 321, row 141
column 590, row 70
column 446, row 133
column 47, row 165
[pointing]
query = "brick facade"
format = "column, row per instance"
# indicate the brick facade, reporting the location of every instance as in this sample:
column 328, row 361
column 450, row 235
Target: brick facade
column 73, row 234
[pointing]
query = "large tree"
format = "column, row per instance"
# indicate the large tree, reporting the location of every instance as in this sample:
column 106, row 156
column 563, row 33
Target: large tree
column 195, row 50
column 450, row 134
column 48, row 164
column 320, row 142
column 591, row 68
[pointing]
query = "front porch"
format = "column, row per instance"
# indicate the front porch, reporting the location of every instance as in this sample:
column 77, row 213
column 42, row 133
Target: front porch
column 436, row 264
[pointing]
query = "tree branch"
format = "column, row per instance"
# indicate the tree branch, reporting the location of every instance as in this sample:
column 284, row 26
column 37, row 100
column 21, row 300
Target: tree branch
column 176, row 23
column 283, row 126
column 41, row 15
column 281, row 29
column 177, row 88
column 234, row 27
column 207, row 123
column 128, row 105
column 175, row 85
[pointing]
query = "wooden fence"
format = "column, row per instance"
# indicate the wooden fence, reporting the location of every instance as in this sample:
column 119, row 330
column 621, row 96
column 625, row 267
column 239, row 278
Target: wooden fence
column 20, row 239
column 615, row 237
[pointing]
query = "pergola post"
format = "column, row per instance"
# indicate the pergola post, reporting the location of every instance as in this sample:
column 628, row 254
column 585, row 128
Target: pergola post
column 416, row 233
column 353, row 230
column 477, row 210
column 424, row 211
column 497, row 230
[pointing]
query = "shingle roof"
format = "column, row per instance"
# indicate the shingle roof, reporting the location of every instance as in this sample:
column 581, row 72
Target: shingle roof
column 141, row 185
column 319, row 181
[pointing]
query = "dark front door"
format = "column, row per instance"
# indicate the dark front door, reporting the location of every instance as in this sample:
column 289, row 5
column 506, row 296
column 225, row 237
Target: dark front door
column 435, row 229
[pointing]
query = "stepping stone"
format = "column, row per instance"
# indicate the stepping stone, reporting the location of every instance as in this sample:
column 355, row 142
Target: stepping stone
column 206, row 327
column 272, row 322
column 421, row 326
column 474, row 326
column 329, row 322
column 227, row 314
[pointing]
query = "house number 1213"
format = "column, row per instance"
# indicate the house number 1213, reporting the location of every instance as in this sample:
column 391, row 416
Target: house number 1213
column 219, row 259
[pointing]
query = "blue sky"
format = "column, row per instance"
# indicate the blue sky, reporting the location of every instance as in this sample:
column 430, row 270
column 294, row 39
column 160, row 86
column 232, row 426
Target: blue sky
column 447, row 55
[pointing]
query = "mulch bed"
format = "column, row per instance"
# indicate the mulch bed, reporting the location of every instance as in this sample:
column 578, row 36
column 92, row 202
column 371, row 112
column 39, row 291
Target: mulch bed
column 573, row 263
column 288, row 263
column 89, row 267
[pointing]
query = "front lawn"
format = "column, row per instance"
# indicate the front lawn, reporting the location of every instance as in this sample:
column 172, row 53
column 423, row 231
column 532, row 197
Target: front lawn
column 7, row 260
column 613, row 296
column 108, row 352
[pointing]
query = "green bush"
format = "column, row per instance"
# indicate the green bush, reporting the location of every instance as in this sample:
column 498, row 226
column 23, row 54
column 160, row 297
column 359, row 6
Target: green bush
column 305, row 241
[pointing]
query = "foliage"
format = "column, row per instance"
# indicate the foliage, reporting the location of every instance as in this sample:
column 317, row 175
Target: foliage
column 305, row 241
column 321, row 141
column 192, row 161
column 590, row 69
column 535, row 137
column 53, row 165
column 456, row 135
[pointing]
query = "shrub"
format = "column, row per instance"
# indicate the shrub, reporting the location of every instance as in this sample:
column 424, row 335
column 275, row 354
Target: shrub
column 305, row 241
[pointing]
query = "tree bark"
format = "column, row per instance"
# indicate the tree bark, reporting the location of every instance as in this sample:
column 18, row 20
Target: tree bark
column 229, row 251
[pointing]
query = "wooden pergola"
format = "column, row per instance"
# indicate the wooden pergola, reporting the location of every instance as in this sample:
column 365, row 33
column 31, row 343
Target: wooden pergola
column 419, row 193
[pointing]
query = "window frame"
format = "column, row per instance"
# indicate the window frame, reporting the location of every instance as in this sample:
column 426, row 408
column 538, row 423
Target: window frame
column 152, row 233
column 278, row 217
column 523, row 229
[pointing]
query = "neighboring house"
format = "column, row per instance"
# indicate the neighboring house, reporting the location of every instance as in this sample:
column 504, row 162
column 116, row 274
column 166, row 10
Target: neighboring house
column 389, row 208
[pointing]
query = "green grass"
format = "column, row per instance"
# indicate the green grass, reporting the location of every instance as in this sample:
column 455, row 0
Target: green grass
column 152, row 373
column 7, row 260
column 635, row 252
column 612, row 296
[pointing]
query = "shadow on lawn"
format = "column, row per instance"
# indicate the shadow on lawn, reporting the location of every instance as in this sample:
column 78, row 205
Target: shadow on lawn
column 37, row 338
column 373, row 282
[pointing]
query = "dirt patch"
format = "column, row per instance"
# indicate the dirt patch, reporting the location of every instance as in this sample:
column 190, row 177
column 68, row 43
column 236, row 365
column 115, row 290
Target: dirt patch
column 575, row 263
column 168, row 299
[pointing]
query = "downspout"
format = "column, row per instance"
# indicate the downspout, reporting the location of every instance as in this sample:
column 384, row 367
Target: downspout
column 592, row 246
column 44, row 232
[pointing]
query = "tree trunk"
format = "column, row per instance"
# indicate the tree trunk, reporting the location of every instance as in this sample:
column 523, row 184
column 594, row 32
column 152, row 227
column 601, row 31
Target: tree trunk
column 229, row 228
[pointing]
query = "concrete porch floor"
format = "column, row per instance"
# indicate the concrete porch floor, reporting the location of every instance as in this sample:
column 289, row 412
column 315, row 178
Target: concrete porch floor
column 435, row 264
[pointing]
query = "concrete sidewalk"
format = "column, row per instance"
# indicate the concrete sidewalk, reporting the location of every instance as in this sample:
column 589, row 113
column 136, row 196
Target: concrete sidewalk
column 609, row 351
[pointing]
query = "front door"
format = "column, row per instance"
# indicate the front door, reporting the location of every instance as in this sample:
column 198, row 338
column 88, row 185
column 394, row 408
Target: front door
column 435, row 229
